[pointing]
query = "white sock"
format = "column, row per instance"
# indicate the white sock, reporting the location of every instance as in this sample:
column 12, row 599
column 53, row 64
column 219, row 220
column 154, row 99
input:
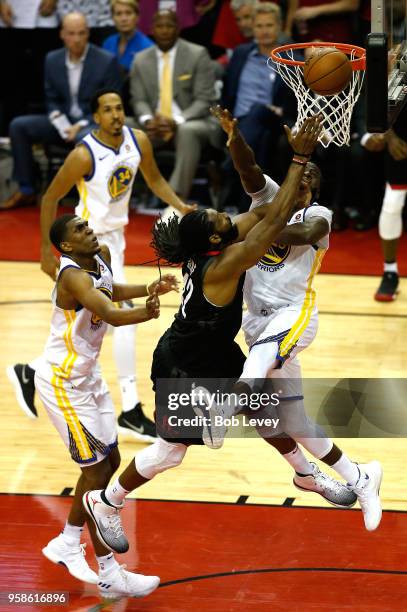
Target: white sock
column 129, row 393
column 391, row 267
column 115, row 493
column 71, row 534
column 347, row 469
column 35, row 363
column 106, row 563
column 298, row 461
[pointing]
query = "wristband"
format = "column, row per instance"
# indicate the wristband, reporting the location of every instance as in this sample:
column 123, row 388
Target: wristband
column 148, row 293
column 301, row 162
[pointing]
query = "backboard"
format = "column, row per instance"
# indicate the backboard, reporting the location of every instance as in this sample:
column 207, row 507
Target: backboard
column 386, row 63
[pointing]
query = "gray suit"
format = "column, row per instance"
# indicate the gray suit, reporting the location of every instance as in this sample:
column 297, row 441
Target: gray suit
column 193, row 82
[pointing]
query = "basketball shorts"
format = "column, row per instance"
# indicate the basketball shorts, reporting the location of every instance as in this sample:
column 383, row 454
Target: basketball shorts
column 166, row 365
column 396, row 172
column 83, row 414
column 291, row 330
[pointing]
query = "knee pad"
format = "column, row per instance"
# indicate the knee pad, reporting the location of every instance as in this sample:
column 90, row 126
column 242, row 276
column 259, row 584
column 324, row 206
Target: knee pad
column 390, row 222
column 159, row 457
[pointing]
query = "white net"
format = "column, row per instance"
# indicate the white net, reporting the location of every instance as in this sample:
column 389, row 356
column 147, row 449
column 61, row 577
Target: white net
column 337, row 109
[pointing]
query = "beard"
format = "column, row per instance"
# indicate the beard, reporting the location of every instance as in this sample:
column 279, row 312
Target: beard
column 230, row 234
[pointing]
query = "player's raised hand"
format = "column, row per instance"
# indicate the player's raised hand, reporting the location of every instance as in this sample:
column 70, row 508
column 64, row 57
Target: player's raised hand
column 304, row 141
column 168, row 282
column 227, row 121
column 50, row 264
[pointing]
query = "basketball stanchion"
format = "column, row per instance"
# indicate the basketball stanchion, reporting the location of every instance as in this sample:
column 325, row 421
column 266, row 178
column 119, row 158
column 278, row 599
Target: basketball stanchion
column 338, row 75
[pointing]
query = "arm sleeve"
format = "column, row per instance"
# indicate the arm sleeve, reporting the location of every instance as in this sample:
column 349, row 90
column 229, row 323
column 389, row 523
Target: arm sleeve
column 265, row 195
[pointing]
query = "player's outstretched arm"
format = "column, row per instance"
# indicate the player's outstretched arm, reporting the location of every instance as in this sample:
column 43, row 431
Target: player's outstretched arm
column 155, row 180
column 307, row 232
column 167, row 282
column 79, row 285
column 77, row 164
column 242, row 155
column 241, row 256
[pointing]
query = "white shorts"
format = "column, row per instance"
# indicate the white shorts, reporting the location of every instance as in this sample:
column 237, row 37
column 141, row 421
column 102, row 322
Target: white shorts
column 292, row 332
column 84, row 415
column 116, row 242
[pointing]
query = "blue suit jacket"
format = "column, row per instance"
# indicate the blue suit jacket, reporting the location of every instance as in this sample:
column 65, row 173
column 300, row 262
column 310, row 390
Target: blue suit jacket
column 101, row 69
column 283, row 96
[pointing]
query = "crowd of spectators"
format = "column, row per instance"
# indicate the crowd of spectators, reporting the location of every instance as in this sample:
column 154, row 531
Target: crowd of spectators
column 170, row 71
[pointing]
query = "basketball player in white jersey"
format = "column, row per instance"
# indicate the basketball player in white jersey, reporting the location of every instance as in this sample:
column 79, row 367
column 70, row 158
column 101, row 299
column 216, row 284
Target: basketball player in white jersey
column 281, row 321
column 103, row 167
column 77, row 399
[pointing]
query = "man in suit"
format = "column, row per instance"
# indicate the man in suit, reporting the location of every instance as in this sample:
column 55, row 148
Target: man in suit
column 72, row 75
column 172, row 88
column 255, row 94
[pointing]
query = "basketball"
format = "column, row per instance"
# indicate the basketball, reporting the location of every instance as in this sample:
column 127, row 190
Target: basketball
column 327, row 72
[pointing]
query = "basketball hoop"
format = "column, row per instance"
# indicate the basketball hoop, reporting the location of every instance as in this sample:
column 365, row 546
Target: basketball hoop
column 336, row 109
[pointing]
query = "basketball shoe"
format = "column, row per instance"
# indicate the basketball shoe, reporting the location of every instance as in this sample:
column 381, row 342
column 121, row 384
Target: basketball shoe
column 72, row 557
column 136, row 424
column 213, row 418
column 118, row 582
column 388, row 287
column 330, row 489
column 107, row 521
column 367, row 489
column 21, row 377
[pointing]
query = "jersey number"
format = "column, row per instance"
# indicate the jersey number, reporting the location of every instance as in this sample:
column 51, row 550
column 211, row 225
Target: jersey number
column 186, row 294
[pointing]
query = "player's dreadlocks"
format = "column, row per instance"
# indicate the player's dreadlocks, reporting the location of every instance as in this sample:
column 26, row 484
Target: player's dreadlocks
column 176, row 240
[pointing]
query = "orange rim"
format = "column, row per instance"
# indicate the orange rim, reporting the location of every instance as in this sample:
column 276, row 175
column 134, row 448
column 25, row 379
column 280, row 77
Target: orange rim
column 359, row 63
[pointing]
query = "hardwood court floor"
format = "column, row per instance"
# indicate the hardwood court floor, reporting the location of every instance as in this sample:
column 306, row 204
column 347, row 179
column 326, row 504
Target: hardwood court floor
column 357, row 338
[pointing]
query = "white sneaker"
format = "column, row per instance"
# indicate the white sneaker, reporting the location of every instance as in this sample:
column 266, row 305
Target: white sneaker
column 120, row 583
column 107, row 521
column 72, row 557
column 213, row 417
column 367, row 489
column 330, row 489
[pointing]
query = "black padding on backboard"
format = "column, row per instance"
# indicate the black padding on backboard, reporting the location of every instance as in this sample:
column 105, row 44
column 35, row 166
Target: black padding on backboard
column 376, row 83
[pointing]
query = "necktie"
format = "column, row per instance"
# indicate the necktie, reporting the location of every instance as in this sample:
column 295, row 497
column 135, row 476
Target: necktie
column 166, row 88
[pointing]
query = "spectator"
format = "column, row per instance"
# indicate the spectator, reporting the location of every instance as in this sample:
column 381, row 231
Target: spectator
column 98, row 16
column 188, row 12
column 172, row 88
column 234, row 26
column 128, row 41
column 72, row 75
column 327, row 20
column 28, row 31
column 391, row 215
column 255, row 94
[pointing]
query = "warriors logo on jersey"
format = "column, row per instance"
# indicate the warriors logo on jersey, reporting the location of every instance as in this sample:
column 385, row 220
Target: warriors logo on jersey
column 119, row 181
column 274, row 257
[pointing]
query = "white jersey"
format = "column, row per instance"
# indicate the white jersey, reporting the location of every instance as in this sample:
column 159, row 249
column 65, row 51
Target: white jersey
column 284, row 275
column 76, row 336
column 105, row 193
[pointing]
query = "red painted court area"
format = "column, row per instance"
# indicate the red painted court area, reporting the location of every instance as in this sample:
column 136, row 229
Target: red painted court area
column 220, row 557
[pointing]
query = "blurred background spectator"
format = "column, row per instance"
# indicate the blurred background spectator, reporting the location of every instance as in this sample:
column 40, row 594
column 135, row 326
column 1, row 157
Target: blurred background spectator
column 172, row 88
column 258, row 97
column 98, row 16
column 127, row 41
column 327, row 20
column 28, row 30
column 72, row 75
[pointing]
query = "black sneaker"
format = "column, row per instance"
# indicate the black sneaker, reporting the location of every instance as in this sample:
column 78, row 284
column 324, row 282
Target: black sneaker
column 21, row 377
column 136, row 424
column 388, row 287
